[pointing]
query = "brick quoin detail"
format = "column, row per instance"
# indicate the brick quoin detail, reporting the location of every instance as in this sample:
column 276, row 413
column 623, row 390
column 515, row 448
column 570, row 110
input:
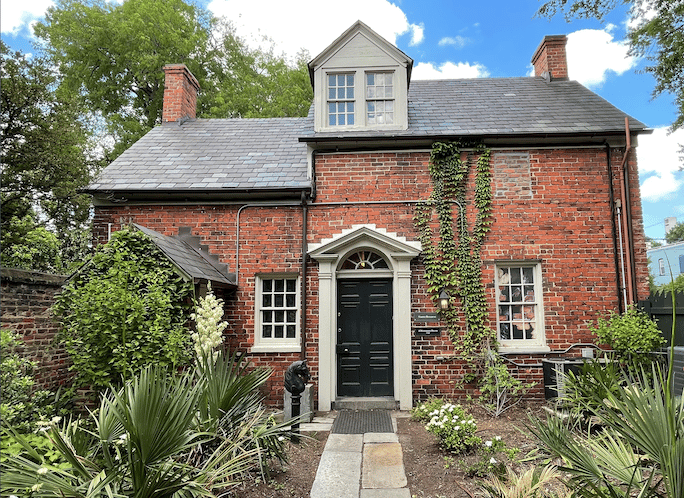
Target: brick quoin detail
column 550, row 206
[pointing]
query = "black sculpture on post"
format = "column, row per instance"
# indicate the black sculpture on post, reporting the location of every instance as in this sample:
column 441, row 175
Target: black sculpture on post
column 296, row 376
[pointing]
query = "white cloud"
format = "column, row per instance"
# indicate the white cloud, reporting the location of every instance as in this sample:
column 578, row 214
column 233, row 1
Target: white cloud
column 456, row 41
column 418, row 34
column 312, row 24
column 593, row 53
column 17, row 15
column 448, row 70
column 658, row 159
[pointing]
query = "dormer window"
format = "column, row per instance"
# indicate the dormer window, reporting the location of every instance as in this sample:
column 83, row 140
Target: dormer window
column 375, row 110
column 341, row 99
column 379, row 98
column 360, row 84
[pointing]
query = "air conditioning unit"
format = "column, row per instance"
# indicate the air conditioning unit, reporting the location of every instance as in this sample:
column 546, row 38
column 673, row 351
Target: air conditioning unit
column 555, row 371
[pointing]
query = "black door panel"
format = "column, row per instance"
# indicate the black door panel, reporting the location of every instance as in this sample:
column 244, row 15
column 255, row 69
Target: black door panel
column 364, row 338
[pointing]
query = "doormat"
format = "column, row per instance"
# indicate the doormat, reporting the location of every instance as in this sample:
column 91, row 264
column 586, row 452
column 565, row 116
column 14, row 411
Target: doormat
column 362, row 421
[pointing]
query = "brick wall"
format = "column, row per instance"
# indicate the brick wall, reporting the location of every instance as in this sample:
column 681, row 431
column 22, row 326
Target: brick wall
column 26, row 301
column 551, row 206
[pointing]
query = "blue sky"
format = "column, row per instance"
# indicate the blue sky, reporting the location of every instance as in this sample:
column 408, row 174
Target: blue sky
column 462, row 39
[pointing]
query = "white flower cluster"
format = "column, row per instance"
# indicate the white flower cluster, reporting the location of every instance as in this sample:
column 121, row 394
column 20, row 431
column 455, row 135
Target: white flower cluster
column 208, row 324
column 445, row 417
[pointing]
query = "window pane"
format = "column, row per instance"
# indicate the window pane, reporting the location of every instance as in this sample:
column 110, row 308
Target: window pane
column 350, row 80
column 505, row 331
column 279, row 285
column 291, row 316
column 350, row 118
column 331, row 80
column 278, row 331
column 268, row 285
column 266, row 301
column 279, row 316
column 291, row 331
column 341, row 119
column 515, row 275
column 267, row 316
column 278, row 301
column 528, row 275
column 350, row 92
column 266, row 331
column 340, row 79
column 290, row 300
column 370, row 78
column 291, row 285
column 331, row 93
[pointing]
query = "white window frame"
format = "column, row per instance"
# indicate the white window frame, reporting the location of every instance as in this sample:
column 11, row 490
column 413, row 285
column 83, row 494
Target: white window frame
column 276, row 344
column 361, row 99
column 538, row 341
column 661, row 266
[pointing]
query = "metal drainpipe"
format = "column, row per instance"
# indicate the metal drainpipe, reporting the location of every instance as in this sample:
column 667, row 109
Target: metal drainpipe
column 613, row 214
column 627, row 218
column 305, row 212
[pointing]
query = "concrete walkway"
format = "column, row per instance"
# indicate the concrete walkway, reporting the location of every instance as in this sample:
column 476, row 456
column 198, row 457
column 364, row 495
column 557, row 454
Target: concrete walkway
column 361, row 466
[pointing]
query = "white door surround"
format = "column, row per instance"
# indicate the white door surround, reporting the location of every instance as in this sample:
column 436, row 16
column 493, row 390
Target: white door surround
column 330, row 254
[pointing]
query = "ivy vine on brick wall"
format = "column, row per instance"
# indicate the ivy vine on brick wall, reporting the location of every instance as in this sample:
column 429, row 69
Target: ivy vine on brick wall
column 452, row 257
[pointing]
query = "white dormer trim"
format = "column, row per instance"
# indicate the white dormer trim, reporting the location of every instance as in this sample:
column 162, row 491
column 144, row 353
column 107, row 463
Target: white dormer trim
column 358, row 52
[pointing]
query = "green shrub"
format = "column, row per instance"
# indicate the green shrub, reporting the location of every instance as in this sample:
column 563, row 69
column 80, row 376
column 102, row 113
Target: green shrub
column 455, row 429
column 632, row 335
column 421, row 412
column 126, row 308
column 21, row 405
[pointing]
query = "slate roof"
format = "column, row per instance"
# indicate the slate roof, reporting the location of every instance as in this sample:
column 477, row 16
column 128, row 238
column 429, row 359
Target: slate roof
column 190, row 257
column 213, row 154
column 228, row 155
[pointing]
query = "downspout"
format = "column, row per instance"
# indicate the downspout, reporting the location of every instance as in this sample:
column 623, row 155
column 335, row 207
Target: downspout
column 305, row 212
column 627, row 219
column 614, row 227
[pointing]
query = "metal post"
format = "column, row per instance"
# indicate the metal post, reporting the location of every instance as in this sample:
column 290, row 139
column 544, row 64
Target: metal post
column 296, row 408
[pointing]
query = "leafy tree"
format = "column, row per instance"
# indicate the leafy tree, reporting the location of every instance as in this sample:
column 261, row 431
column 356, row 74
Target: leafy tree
column 659, row 36
column 29, row 246
column 113, row 54
column 44, row 152
column 676, row 234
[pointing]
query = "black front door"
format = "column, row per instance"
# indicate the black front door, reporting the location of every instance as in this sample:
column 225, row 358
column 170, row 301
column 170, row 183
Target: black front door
column 364, row 338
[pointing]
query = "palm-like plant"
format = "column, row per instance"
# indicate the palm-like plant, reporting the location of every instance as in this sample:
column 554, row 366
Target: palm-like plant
column 638, row 452
column 140, row 448
column 537, row 482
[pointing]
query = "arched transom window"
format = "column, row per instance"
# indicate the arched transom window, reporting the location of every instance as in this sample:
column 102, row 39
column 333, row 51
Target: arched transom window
column 364, row 260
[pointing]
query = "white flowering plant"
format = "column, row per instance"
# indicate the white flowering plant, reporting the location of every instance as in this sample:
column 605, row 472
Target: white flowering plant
column 423, row 411
column 492, row 456
column 455, row 429
column 209, row 326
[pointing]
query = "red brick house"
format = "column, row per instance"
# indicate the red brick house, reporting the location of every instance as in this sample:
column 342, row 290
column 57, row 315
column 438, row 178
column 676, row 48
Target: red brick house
column 315, row 216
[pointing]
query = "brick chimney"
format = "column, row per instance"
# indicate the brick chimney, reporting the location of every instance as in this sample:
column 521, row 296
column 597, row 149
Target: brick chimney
column 180, row 94
column 549, row 58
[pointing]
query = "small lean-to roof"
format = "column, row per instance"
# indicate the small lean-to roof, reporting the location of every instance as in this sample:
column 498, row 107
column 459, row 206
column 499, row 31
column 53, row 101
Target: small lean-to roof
column 192, row 258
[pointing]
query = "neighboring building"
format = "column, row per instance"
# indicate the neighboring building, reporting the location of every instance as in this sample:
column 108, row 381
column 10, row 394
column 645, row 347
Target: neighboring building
column 666, row 262
column 315, row 216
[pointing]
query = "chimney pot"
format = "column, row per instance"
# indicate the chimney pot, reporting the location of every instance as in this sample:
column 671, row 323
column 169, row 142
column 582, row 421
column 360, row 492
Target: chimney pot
column 180, row 94
column 550, row 58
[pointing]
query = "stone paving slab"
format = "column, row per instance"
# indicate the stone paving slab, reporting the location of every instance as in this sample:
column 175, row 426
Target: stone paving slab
column 383, row 466
column 386, row 493
column 344, row 442
column 338, row 475
column 380, row 437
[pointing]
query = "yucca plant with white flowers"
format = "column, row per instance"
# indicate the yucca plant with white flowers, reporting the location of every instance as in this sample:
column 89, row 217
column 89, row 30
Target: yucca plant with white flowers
column 209, row 325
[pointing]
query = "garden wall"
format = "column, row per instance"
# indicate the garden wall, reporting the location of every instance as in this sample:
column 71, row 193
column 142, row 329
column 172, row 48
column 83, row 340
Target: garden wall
column 26, row 300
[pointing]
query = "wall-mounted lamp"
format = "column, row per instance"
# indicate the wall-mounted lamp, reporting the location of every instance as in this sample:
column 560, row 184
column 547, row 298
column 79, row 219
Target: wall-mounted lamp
column 444, row 300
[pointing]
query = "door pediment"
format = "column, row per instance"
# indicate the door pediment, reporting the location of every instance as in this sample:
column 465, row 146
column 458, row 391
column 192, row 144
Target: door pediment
column 391, row 244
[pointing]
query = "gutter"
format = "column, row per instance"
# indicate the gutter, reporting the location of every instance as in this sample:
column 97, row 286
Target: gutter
column 611, row 190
